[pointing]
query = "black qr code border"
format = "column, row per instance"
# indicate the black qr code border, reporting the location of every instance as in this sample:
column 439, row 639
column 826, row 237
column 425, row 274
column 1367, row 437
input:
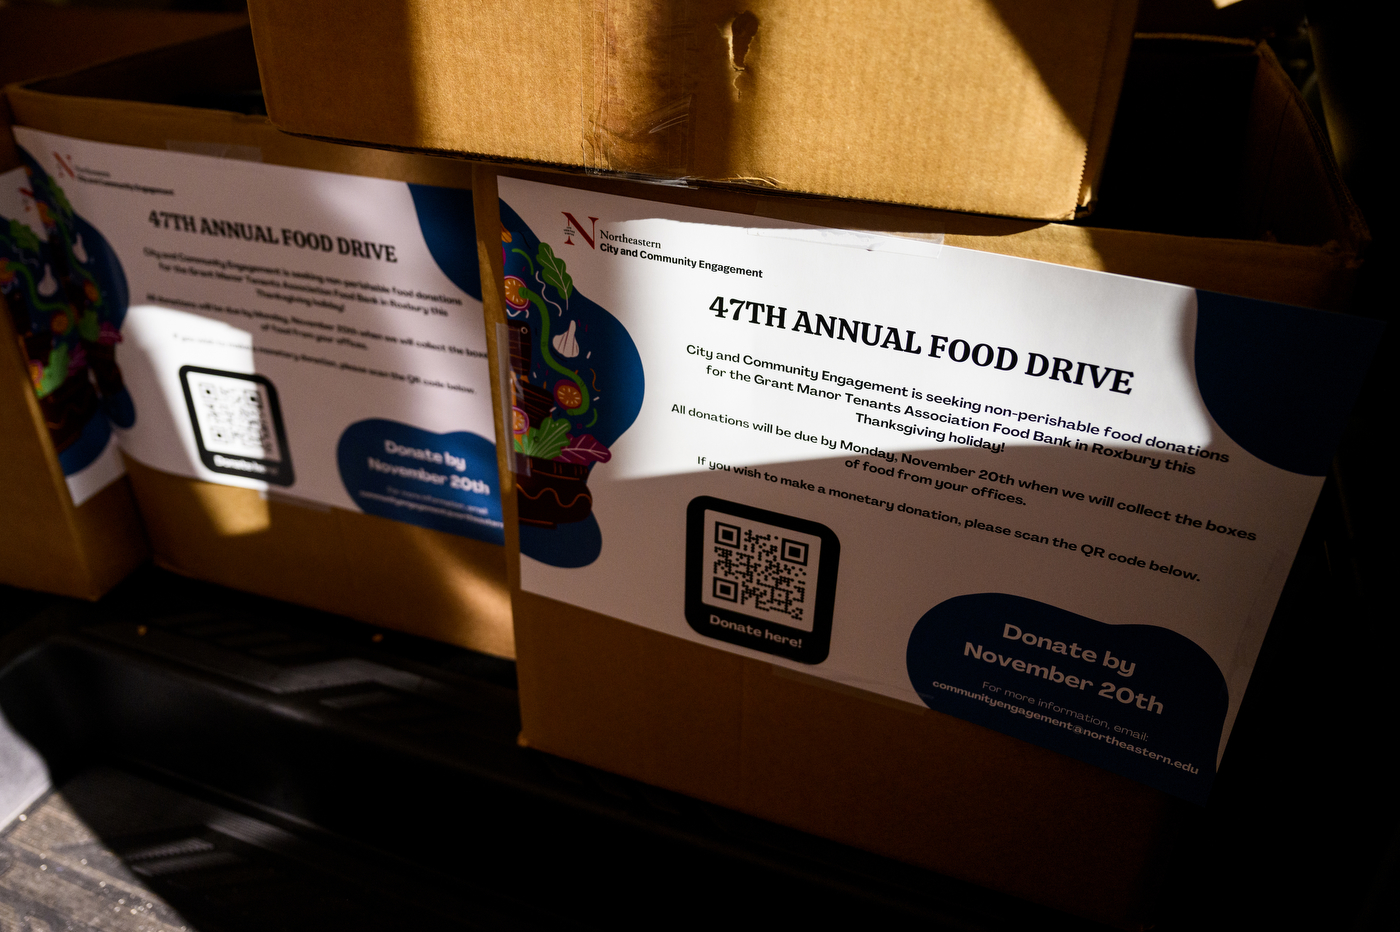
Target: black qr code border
column 738, row 627
column 276, row 472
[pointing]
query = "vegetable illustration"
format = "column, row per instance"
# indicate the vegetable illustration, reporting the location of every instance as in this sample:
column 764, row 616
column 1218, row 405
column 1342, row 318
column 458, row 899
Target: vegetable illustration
column 553, row 269
column 66, row 297
column 585, row 449
column 568, row 395
column 515, row 297
column 545, row 441
column 552, row 483
column 566, row 344
column 552, row 272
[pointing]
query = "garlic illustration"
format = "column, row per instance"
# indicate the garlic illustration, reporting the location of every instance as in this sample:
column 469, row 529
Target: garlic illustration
column 79, row 251
column 565, row 344
column 48, row 284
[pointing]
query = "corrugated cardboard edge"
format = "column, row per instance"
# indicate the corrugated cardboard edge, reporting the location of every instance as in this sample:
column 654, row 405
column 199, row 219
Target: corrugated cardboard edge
column 1321, row 148
column 485, row 202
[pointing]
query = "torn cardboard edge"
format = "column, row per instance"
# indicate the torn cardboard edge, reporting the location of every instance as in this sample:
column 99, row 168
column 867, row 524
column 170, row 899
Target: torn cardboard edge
column 1120, row 42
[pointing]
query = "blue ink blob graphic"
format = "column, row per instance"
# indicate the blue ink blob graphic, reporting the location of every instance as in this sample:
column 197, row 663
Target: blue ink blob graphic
column 67, row 297
column 576, row 385
column 1280, row 380
column 449, row 228
column 1139, row 700
column 446, row 482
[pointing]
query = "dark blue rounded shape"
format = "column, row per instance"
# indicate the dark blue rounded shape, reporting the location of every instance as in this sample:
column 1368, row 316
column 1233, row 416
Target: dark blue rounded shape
column 88, row 446
column 1280, row 380
column 1139, row 700
column 447, row 482
column 448, row 223
column 568, row 546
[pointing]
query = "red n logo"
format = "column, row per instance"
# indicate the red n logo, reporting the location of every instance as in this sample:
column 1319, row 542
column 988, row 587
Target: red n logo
column 576, row 228
column 65, row 164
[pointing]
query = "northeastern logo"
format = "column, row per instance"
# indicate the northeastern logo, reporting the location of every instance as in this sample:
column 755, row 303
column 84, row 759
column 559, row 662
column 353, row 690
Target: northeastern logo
column 573, row 228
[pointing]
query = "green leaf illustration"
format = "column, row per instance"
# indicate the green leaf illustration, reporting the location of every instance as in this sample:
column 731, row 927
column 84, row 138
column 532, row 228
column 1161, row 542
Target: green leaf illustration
column 23, row 236
column 552, row 267
column 60, row 198
column 55, row 372
column 88, row 327
column 545, row 441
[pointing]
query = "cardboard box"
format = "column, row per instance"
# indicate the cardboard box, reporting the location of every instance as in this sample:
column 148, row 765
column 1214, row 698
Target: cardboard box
column 857, row 767
column 990, row 106
column 50, row 543
column 89, row 36
column 188, row 98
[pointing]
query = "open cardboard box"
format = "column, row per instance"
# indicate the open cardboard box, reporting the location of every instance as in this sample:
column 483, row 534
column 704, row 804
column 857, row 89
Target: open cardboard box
column 203, row 97
column 991, row 106
column 50, row 543
column 1217, row 178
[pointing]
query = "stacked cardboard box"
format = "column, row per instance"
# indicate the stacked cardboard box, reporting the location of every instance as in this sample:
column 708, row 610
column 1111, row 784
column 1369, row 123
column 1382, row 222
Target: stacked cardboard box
column 50, row 542
column 199, row 97
column 989, row 106
column 1216, row 178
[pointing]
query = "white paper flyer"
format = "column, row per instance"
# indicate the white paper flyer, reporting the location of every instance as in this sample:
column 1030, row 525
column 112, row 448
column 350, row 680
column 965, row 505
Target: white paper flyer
column 312, row 333
column 1056, row 502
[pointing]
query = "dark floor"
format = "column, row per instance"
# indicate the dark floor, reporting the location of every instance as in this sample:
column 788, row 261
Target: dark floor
column 114, row 852
column 241, row 764
column 226, row 762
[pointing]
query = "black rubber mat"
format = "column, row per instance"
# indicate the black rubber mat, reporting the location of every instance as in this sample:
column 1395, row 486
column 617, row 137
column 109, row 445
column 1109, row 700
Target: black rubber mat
column 114, row 851
column 254, row 765
column 226, row 762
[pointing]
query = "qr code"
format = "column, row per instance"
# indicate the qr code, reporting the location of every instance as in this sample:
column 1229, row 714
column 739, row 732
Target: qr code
column 234, row 416
column 759, row 569
column 759, row 579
